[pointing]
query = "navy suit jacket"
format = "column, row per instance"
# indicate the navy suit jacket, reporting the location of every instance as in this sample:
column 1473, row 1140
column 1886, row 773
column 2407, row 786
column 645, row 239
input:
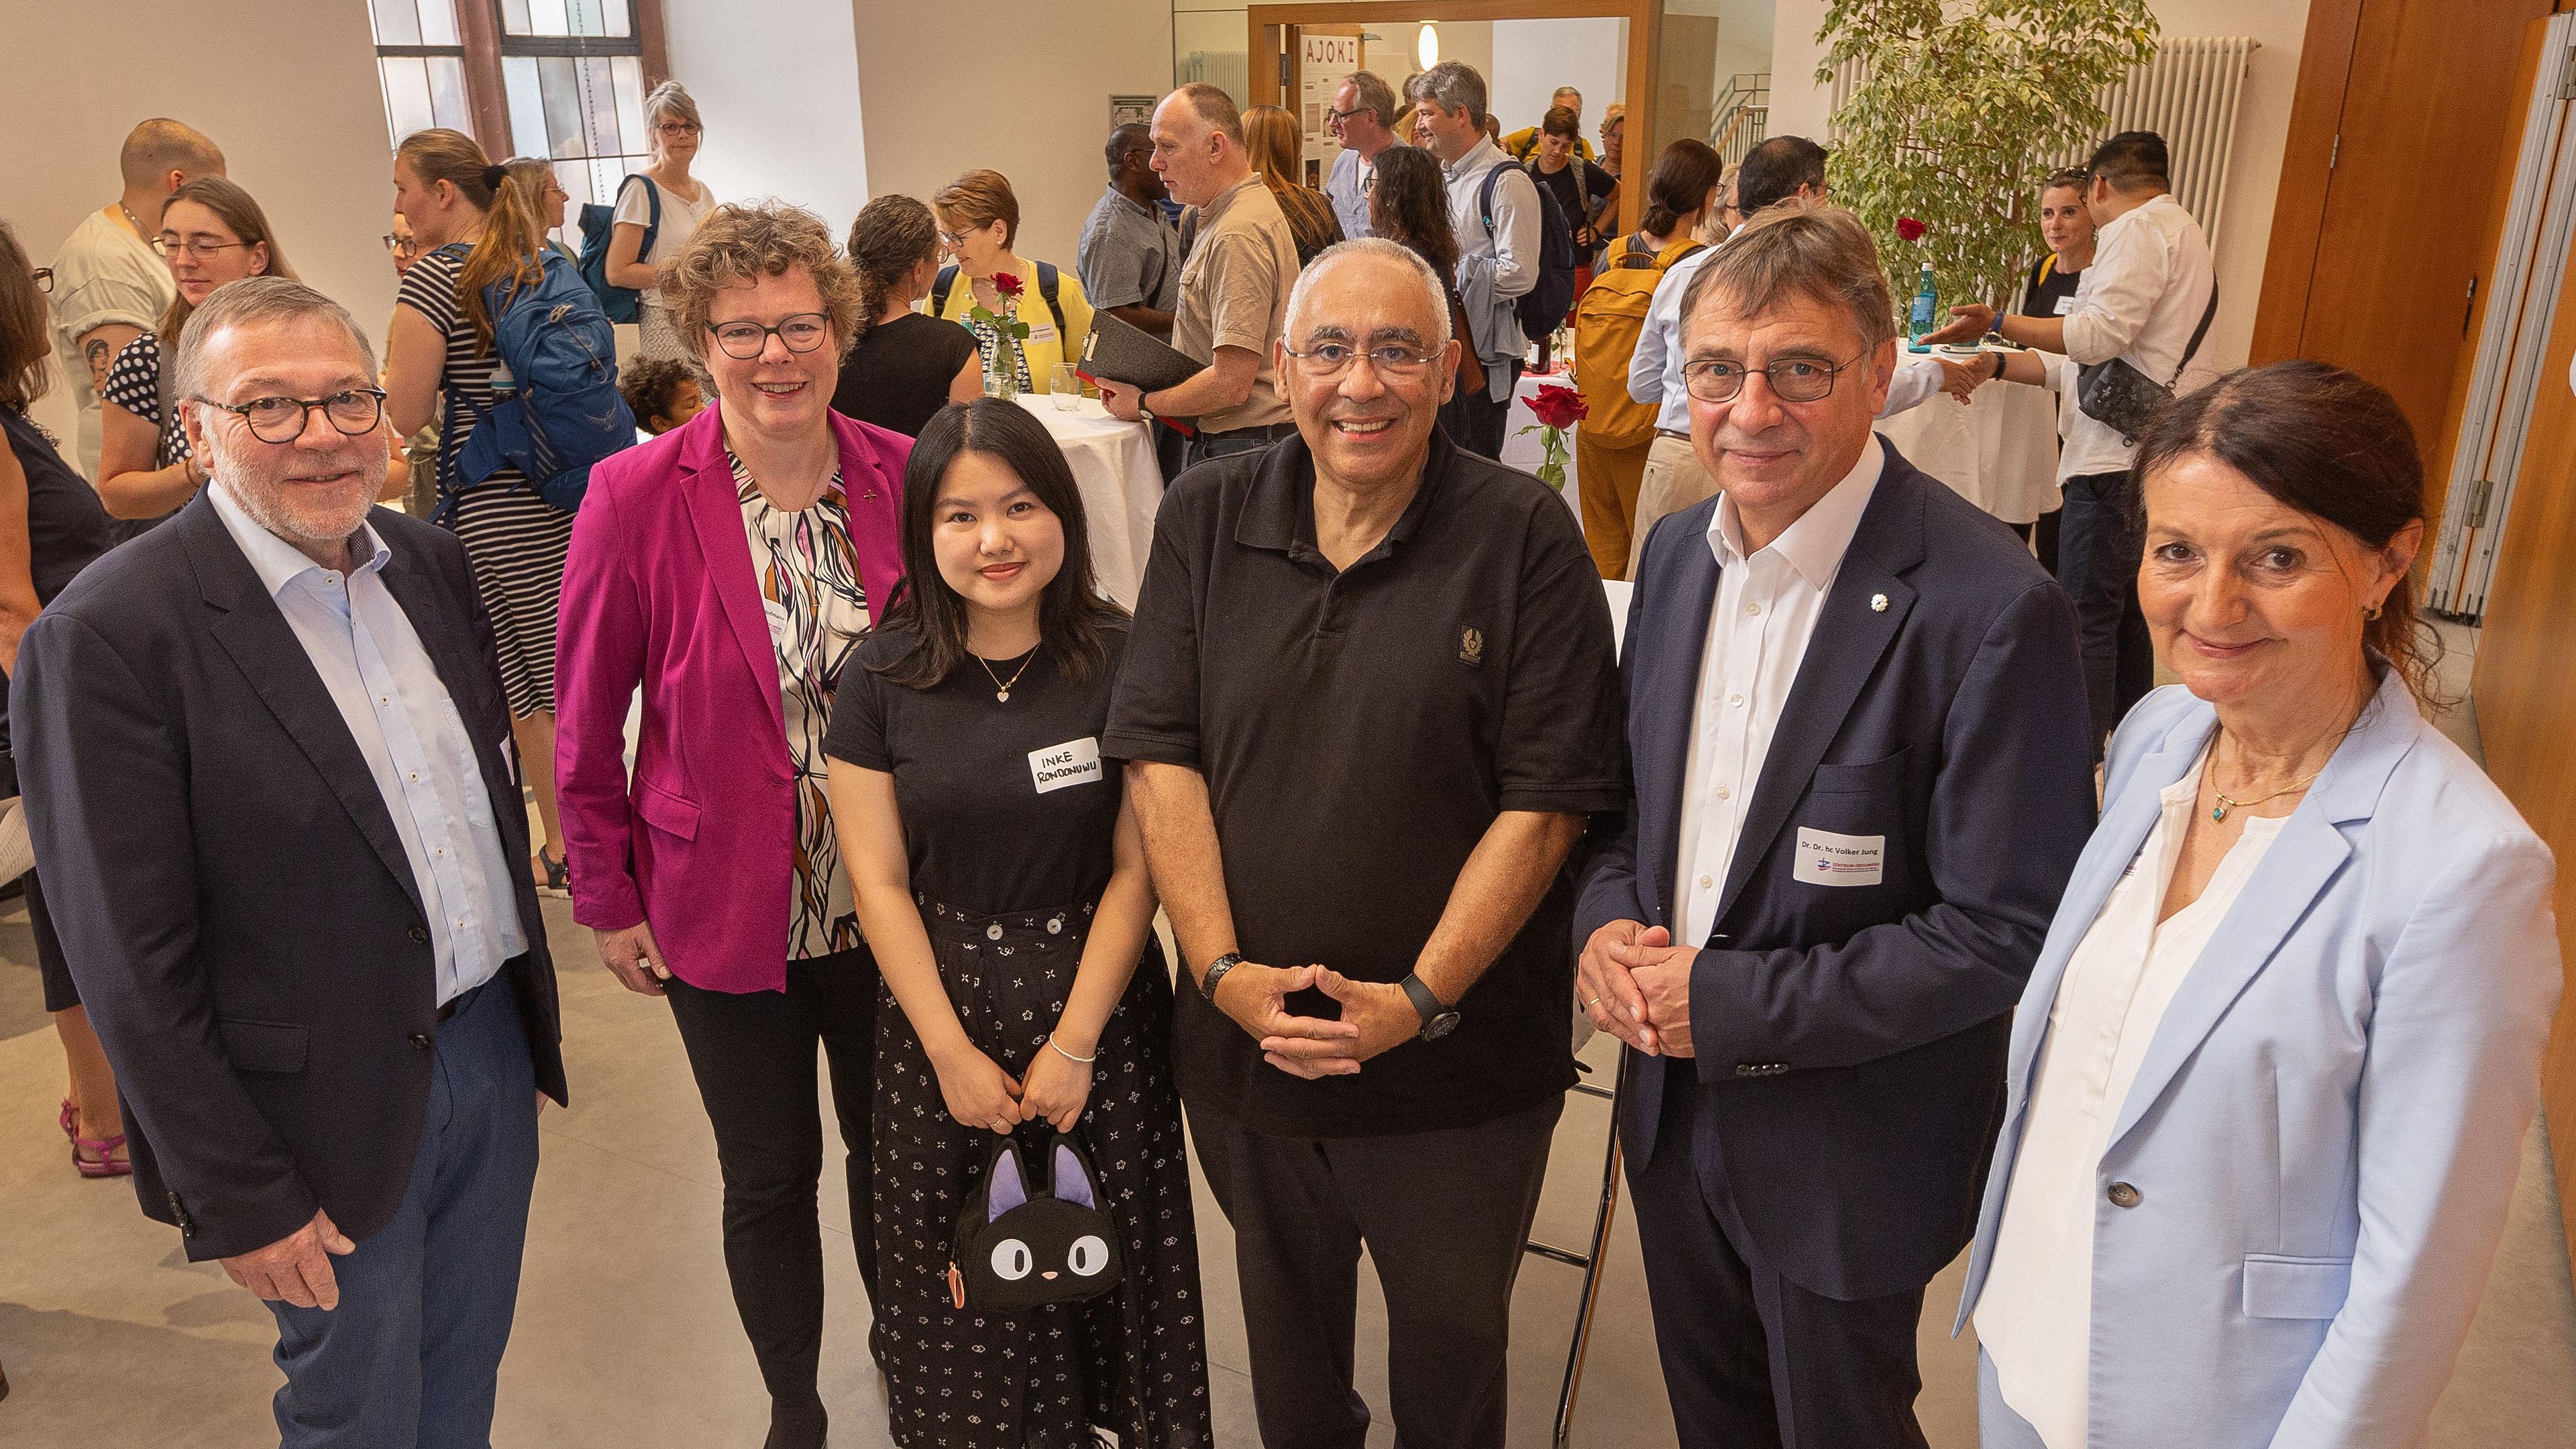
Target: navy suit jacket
column 1849, row 1039
column 232, row 897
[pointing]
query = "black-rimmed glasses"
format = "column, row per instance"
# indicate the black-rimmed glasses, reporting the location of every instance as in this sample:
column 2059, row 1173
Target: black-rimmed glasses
column 744, row 341
column 1798, row 380
column 354, row 411
column 401, row 246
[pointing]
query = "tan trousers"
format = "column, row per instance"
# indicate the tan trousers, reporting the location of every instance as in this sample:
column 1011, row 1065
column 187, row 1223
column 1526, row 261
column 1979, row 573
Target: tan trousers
column 1674, row 481
column 1608, row 477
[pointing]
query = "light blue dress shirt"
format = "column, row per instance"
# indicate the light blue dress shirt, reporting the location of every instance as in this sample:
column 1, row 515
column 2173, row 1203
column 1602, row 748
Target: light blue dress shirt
column 1347, row 187
column 406, row 725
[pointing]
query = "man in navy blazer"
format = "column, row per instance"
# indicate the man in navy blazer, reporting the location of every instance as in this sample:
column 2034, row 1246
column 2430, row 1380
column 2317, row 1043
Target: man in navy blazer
column 1858, row 731
column 265, row 760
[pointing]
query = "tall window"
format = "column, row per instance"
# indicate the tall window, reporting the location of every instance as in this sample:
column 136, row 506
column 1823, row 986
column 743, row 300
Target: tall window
column 559, row 79
column 420, row 60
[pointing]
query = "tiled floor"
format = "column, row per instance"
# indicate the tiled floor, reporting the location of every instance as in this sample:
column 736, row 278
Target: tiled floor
column 627, row 1338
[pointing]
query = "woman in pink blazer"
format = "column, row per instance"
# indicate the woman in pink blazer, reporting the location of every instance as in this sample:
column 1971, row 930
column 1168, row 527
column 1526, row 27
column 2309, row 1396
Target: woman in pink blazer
column 728, row 569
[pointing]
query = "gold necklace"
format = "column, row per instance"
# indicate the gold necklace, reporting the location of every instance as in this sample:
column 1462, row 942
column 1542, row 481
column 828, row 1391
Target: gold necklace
column 1001, row 686
column 2226, row 804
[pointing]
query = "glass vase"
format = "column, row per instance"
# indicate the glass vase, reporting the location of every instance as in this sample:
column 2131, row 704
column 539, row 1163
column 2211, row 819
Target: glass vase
column 1002, row 369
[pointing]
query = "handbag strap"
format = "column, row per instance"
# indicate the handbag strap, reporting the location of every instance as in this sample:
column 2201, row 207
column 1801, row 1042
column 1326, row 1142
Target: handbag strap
column 2197, row 333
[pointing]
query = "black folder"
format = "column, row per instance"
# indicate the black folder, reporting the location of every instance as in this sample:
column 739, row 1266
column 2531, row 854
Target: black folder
column 1125, row 353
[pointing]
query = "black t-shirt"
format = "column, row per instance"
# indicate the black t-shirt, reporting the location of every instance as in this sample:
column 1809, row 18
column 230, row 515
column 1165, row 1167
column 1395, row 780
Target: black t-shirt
column 2049, row 292
column 898, row 375
column 1006, row 806
column 1359, row 733
column 1579, row 189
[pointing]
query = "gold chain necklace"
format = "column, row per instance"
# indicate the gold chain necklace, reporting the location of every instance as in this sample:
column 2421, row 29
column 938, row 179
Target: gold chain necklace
column 2226, row 804
column 1001, row 686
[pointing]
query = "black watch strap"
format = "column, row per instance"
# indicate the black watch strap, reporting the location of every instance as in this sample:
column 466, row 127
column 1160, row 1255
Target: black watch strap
column 1438, row 1018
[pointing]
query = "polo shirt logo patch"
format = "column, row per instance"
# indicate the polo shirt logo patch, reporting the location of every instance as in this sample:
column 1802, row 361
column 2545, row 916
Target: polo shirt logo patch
column 1075, row 762
column 1471, row 646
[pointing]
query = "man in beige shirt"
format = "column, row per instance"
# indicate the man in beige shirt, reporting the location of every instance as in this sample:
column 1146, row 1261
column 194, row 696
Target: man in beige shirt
column 1234, row 285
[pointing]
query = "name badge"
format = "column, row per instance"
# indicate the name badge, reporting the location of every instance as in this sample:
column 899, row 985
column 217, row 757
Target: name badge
column 2066, row 306
column 1075, row 762
column 1827, row 859
column 780, row 631
column 1042, row 334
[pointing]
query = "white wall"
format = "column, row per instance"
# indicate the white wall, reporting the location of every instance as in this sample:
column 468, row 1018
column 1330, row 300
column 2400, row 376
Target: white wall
column 749, row 66
column 1798, row 107
column 1035, row 108
column 1533, row 57
column 302, row 124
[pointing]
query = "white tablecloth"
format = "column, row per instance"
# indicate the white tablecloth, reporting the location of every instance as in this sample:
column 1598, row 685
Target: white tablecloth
column 1122, row 484
column 1524, row 450
column 1998, row 451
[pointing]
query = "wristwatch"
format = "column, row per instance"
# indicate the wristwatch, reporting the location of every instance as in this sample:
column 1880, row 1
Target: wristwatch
column 1216, row 973
column 1437, row 1019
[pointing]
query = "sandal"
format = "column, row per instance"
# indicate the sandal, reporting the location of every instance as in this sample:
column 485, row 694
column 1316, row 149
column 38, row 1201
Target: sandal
column 101, row 1162
column 558, row 875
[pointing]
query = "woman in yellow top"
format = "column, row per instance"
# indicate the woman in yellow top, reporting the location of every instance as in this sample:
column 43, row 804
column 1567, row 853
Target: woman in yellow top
column 978, row 220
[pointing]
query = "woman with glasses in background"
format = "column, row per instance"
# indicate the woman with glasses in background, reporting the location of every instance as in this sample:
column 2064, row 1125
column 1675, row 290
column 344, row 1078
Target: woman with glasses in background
column 727, row 569
column 476, row 227
column 979, row 221
column 671, row 117
column 212, row 232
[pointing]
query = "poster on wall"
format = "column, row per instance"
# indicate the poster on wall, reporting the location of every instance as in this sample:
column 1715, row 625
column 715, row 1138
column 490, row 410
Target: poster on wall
column 1130, row 110
column 1324, row 62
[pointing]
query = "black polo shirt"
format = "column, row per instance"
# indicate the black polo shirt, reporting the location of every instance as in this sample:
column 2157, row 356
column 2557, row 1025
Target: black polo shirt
column 1359, row 732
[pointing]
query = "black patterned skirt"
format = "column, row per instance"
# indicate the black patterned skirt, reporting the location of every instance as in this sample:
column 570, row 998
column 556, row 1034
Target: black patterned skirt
column 1132, row 1361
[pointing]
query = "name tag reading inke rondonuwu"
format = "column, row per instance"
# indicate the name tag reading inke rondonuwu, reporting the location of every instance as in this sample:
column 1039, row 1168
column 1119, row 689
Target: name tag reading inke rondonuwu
column 1827, row 859
column 1075, row 762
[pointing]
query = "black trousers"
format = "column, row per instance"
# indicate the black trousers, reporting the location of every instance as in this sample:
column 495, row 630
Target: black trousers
column 1752, row 1360
column 2098, row 553
column 753, row 1056
column 1475, row 421
column 1444, row 1216
column 2041, row 535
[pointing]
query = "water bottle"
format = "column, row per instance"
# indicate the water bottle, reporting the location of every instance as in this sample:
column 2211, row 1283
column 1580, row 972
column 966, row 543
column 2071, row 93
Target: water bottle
column 503, row 384
column 1927, row 308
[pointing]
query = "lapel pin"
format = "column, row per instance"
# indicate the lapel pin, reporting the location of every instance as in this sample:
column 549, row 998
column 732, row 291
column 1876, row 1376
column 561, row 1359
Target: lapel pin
column 1878, row 603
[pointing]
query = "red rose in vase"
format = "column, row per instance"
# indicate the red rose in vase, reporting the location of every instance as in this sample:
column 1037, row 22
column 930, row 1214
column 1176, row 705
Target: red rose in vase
column 1908, row 229
column 1558, row 407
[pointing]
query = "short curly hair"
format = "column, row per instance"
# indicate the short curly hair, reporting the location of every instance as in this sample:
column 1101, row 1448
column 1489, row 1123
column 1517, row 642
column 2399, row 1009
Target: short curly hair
column 737, row 244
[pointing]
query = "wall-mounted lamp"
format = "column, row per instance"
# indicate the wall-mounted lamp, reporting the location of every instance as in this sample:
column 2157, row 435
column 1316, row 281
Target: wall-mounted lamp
column 1426, row 47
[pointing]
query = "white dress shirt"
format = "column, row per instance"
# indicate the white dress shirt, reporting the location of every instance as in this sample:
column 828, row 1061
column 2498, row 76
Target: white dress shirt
column 406, row 726
column 2034, row 1318
column 1758, row 629
column 2141, row 299
column 1655, row 368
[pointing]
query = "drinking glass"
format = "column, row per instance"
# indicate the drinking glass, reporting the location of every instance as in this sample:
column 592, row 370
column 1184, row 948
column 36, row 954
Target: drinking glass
column 1064, row 388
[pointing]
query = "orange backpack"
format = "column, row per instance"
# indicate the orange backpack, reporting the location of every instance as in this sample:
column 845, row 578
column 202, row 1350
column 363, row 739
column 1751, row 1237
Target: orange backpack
column 1608, row 320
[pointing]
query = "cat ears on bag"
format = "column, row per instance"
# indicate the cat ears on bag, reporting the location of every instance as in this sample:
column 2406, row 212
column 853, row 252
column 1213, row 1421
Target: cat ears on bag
column 1071, row 1180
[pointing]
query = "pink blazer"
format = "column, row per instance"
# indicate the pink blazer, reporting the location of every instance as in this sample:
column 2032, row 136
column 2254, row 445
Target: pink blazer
column 659, row 591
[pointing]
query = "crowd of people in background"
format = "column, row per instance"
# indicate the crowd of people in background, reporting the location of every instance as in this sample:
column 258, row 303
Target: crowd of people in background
column 1925, row 923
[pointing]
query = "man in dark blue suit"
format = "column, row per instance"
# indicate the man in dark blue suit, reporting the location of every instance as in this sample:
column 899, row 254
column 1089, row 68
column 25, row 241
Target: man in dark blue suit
column 1857, row 725
column 266, row 767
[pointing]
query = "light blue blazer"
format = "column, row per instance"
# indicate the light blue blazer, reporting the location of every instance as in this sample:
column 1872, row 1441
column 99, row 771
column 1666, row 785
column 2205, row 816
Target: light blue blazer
column 2325, row 1131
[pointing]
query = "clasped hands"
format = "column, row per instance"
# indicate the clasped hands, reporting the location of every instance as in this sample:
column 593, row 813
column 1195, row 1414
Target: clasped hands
column 1634, row 983
column 1376, row 1015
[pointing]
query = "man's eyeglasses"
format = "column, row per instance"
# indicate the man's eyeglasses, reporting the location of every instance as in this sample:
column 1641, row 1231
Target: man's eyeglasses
column 1329, row 360
column 44, row 279
column 744, row 341
column 1333, row 115
column 281, row 419
column 169, row 244
column 1797, row 380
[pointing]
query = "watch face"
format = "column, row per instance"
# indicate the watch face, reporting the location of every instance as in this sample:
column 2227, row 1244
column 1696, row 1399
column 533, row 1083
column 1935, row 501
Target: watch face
column 1440, row 1026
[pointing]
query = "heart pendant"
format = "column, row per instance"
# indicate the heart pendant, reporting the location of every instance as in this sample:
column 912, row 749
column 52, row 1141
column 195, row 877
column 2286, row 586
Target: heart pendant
column 1003, row 695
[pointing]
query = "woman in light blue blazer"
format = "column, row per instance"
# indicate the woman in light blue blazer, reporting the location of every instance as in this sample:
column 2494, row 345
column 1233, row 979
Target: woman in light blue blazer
column 2269, row 1081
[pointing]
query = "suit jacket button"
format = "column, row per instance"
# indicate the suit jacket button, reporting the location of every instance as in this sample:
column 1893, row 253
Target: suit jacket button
column 419, row 935
column 1745, row 1069
column 423, row 1040
column 2123, row 1195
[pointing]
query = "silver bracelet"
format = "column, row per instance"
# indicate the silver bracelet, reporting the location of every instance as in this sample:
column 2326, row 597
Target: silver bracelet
column 1068, row 1056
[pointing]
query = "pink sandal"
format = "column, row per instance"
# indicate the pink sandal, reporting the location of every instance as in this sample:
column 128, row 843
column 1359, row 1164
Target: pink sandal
column 102, row 1164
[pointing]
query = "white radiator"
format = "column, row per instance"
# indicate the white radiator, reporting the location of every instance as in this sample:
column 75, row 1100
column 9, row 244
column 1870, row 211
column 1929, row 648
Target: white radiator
column 2189, row 94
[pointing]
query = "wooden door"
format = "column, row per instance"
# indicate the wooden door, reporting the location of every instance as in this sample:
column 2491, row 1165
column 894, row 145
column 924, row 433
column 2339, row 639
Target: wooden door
column 2384, row 191
column 2526, row 694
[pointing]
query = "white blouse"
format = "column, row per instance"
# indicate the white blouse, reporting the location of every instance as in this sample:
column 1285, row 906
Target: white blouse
column 2034, row 1319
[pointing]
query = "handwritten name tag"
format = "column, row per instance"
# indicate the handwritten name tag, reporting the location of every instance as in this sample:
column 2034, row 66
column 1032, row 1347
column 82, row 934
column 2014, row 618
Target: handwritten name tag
column 1075, row 762
column 1827, row 859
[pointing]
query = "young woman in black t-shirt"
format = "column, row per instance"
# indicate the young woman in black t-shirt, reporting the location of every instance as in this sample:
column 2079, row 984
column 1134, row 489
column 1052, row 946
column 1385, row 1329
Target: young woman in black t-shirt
column 906, row 366
column 1000, row 878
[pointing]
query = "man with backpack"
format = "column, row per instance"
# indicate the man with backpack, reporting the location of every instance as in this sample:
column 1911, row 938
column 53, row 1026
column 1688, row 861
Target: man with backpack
column 1515, row 248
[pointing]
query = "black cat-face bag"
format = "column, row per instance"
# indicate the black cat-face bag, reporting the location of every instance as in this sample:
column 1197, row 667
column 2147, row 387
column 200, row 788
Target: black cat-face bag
column 2118, row 396
column 1019, row 1249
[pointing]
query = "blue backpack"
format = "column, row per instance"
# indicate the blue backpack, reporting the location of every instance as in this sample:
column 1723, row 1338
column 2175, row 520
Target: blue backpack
column 561, row 411
column 598, row 224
